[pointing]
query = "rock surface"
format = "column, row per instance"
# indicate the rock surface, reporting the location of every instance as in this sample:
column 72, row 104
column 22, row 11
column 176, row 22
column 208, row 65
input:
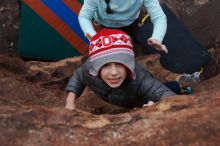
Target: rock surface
column 9, row 26
column 32, row 113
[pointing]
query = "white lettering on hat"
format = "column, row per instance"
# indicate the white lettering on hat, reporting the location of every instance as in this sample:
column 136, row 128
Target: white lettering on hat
column 106, row 41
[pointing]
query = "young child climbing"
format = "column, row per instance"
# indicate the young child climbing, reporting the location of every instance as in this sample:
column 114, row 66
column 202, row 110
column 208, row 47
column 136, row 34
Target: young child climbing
column 114, row 76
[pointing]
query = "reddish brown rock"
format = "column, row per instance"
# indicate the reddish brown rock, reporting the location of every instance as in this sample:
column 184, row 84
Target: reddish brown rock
column 9, row 26
column 32, row 111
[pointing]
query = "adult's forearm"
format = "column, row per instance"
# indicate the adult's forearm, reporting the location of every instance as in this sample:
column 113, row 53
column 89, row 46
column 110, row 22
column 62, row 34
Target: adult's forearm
column 157, row 17
column 160, row 28
column 86, row 26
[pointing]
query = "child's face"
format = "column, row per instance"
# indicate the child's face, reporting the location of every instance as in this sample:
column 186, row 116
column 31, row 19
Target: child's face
column 113, row 74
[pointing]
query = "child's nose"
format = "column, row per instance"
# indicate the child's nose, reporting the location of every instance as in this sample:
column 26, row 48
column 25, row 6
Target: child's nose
column 114, row 70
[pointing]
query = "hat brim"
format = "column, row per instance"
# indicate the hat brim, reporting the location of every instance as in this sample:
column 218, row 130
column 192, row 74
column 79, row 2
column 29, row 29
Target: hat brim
column 126, row 60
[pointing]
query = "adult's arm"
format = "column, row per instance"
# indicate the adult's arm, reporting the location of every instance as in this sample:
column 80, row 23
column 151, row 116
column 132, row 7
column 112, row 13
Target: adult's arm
column 86, row 15
column 158, row 19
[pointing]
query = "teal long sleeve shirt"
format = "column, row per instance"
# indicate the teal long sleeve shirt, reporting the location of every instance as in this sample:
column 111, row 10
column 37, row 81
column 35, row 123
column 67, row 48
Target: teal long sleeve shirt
column 125, row 13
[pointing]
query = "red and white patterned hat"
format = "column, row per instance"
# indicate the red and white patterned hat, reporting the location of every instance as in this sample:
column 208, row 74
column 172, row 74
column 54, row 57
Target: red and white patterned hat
column 111, row 45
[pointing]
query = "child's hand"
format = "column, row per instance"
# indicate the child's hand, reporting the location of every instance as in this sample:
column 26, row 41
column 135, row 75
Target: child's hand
column 157, row 45
column 150, row 103
column 70, row 106
column 70, row 101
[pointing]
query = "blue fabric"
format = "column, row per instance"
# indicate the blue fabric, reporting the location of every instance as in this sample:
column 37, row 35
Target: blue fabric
column 174, row 86
column 67, row 15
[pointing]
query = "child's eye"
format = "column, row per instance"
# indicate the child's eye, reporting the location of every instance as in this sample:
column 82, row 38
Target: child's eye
column 119, row 65
column 106, row 65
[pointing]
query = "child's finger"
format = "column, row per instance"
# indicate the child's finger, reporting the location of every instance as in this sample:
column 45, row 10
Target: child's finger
column 150, row 103
column 164, row 48
column 150, row 42
column 88, row 36
column 160, row 47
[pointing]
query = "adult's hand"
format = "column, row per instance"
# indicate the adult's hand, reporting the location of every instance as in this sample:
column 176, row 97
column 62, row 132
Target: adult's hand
column 88, row 36
column 157, row 45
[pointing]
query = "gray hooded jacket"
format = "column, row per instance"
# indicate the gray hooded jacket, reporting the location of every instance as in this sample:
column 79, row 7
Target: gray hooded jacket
column 132, row 93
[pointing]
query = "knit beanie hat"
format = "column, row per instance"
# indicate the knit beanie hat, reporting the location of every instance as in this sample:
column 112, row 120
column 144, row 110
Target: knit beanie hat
column 111, row 45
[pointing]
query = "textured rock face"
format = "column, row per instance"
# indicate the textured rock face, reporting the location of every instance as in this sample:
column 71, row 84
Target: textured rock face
column 192, row 120
column 9, row 26
column 32, row 113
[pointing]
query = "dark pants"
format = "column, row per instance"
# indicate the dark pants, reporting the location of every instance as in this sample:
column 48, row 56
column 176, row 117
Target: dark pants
column 174, row 86
column 185, row 53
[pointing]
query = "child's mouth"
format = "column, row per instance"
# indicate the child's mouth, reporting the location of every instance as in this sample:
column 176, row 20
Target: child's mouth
column 114, row 81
